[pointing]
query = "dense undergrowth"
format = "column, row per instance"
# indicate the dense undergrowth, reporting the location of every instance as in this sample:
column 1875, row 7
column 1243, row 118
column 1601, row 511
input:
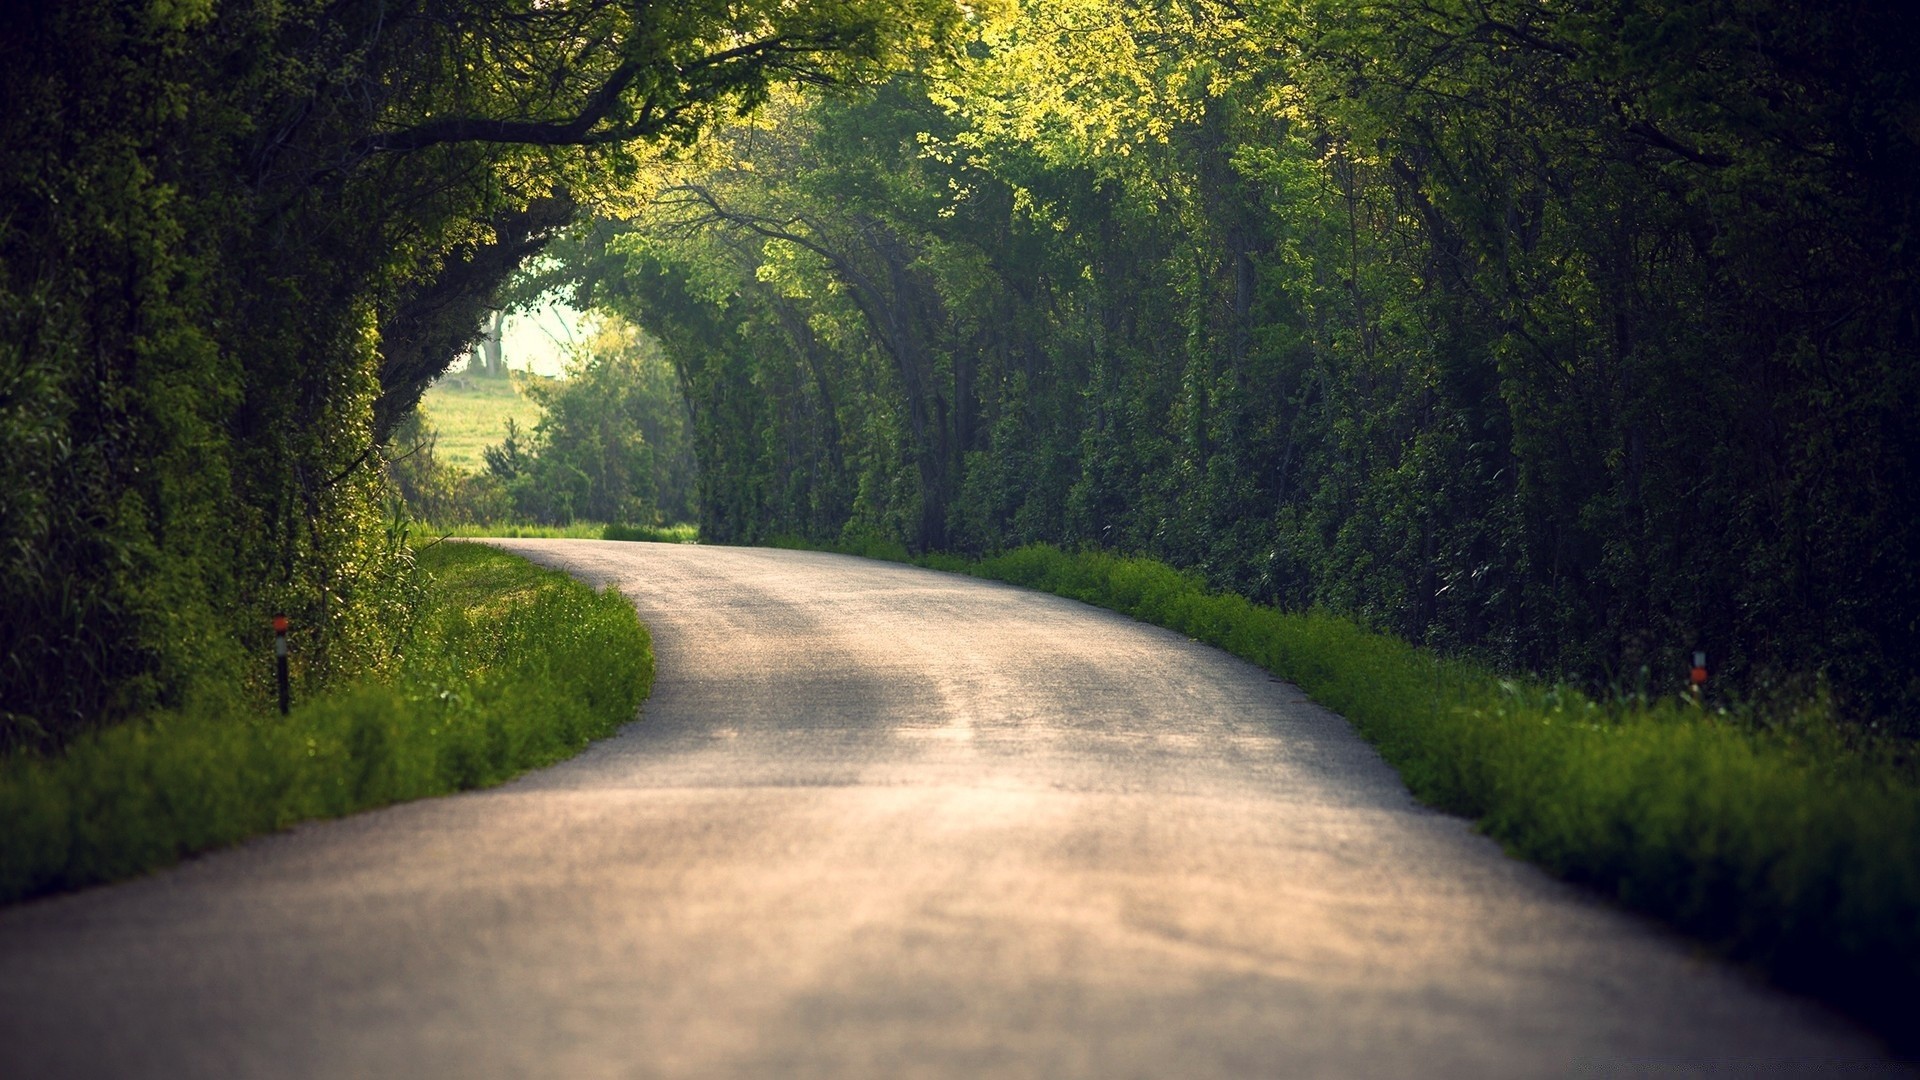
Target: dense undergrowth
column 1760, row 834
column 509, row 667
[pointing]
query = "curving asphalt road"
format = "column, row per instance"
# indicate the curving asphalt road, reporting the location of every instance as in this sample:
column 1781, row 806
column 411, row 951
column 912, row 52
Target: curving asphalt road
column 883, row 822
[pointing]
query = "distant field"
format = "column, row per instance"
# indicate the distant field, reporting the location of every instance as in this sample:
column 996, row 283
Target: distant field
column 471, row 414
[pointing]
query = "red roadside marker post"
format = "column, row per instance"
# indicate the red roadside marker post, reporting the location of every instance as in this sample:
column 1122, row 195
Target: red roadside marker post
column 280, row 658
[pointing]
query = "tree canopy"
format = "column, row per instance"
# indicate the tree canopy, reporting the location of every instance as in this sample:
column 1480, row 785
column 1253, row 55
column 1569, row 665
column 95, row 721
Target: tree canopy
column 1580, row 336
column 238, row 240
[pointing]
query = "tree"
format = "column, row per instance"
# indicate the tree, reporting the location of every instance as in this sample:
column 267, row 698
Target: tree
column 488, row 358
column 236, row 246
column 613, row 442
column 1578, row 337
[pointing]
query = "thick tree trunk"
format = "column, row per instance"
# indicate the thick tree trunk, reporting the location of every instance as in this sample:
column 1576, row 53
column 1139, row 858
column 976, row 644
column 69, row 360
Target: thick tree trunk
column 493, row 361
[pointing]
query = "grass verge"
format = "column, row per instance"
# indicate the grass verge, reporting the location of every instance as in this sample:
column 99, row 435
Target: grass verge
column 580, row 530
column 511, row 667
column 684, row 533
column 1779, row 847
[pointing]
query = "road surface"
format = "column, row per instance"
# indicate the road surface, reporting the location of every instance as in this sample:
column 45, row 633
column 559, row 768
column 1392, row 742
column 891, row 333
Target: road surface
column 882, row 822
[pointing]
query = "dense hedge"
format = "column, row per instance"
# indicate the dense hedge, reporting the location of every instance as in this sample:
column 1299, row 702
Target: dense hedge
column 508, row 668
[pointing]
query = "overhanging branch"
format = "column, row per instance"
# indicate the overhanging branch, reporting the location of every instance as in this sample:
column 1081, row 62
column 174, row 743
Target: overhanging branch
column 703, row 81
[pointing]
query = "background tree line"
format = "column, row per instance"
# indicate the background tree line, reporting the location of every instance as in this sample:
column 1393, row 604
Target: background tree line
column 611, row 446
column 237, row 240
column 1578, row 336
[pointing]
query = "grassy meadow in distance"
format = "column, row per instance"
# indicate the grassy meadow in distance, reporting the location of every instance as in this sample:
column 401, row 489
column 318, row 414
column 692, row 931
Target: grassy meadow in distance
column 469, row 414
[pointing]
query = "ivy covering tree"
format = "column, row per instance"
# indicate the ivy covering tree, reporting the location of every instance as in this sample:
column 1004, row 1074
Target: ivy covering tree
column 238, row 240
column 1578, row 336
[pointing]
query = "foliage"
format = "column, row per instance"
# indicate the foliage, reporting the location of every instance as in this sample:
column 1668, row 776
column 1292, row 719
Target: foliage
column 611, row 443
column 238, row 240
column 1573, row 338
column 509, row 668
column 440, row 493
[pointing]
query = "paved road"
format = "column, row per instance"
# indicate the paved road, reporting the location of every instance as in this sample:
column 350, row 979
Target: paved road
column 881, row 822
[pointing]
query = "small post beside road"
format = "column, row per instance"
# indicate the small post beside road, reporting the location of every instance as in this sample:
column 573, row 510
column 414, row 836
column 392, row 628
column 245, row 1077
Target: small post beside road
column 280, row 659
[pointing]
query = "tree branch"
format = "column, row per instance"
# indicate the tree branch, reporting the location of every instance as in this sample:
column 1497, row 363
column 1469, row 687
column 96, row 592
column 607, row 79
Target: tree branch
column 706, row 79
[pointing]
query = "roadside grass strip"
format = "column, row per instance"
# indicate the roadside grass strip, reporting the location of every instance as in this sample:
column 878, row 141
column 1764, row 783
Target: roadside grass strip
column 579, row 530
column 658, row 534
column 1779, row 847
column 511, row 667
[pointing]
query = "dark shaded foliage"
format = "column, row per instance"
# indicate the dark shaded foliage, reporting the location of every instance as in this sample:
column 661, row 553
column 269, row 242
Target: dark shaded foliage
column 238, row 240
column 1576, row 338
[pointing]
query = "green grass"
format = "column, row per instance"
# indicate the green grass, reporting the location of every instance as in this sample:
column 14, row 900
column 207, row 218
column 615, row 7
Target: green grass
column 580, row 530
column 683, row 533
column 469, row 414
column 511, row 667
column 1769, row 840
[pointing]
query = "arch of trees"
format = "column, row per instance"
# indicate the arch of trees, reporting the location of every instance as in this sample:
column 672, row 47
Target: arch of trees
column 237, row 240
column 1580, row 336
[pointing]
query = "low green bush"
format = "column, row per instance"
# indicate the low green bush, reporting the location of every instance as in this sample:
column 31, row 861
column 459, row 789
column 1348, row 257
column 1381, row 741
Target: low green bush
column 865, row 544
column 1763, row 836
column 509, row 667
